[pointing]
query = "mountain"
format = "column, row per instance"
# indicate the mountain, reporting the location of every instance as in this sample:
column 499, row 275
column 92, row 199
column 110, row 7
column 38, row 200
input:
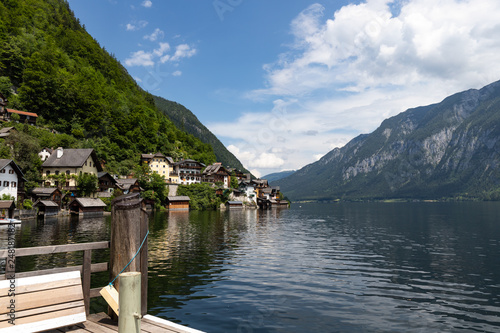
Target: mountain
column 272, row 177
column 445, row 150
column 184, row 119
column 50, row 65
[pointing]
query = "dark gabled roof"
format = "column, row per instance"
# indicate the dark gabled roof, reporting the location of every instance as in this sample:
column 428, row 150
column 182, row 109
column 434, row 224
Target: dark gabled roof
column 7, row 129
column 189, row 161
column 214, row 168
column 71, row 158
column 104, row 173
column 89, row 202
column 46, row 203
column 5, row 162
column 179, row 198
column 125, row 184
column 40, row 191
column 7, row 204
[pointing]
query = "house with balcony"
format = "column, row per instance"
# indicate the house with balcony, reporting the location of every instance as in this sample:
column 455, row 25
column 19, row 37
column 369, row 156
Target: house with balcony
column 216, row 173
column 188, row 171
column 62, row 168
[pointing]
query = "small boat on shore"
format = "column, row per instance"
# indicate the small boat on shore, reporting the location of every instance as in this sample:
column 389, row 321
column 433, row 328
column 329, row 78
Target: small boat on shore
column 10, row 221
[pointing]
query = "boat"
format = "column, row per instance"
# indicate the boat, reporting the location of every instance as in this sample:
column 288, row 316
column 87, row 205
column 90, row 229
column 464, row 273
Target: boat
column 10, row 221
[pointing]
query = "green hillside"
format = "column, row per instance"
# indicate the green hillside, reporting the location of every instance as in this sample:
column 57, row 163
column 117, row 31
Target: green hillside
column 184, row 119
column 50, row 65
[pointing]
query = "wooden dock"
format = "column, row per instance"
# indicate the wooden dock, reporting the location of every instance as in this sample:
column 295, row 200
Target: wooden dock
column 101, row 323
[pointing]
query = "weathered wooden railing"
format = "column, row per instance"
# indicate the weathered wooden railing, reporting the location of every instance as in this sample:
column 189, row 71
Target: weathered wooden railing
column 86, row 268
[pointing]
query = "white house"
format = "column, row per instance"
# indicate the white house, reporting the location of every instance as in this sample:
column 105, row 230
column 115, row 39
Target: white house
column 45, row 154
column 11, row 178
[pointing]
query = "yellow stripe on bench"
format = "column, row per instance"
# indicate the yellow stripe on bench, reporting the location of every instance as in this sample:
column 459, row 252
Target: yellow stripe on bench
column 42, row 302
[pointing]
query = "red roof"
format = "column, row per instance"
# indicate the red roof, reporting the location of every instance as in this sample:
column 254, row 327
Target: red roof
column 24, row 113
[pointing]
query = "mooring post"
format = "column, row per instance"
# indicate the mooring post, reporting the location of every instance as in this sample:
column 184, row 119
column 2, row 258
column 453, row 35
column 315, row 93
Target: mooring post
column 129, row 320
column 129, row 226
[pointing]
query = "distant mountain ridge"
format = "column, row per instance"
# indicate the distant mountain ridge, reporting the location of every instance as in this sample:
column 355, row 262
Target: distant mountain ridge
column 272, row 177
column 447, row 149
column 184, row 119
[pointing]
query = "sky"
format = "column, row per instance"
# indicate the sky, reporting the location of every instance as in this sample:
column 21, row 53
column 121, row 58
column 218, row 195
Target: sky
column 280, row 82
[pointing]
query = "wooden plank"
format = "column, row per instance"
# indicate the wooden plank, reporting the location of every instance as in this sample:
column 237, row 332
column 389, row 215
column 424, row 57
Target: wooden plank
column 37, row 250
column 95, row 268
column 103, row 320
column 168, row 324
column 95, row 292
column 21, row 289
column 30, row 281
column 95, row 328
column 143, row 257
column 44, row 298
column 110, row 295
column 46, row 321
column 50, row 308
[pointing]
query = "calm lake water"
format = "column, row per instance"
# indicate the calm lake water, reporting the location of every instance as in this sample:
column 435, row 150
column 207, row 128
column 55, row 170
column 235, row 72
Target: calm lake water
column 350, row 267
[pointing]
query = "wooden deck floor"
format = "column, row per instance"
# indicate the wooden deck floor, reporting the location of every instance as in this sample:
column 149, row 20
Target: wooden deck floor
column 101, row 323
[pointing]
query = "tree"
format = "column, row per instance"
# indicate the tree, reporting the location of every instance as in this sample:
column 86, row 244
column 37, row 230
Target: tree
column 86, row 184
column 234, row 180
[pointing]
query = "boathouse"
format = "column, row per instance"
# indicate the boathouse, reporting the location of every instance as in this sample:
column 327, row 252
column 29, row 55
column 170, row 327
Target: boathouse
column 87, row 206
column 7, row 208
column 234, row 205
column 46, row 207
column 47, row 194
column 178, row 203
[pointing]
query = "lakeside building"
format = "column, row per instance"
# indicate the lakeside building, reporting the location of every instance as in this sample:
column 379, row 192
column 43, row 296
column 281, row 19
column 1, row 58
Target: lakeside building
column 188, row 171
column 215, row 173
column 11, row 179
column 160, row 164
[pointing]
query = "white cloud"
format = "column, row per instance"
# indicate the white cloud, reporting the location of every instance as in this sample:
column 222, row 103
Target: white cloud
column 183, row 51
column 140, row 58
column 157, row 34
column 134, row 26
column 147, row 3
column 348, row 71
column 160, row 55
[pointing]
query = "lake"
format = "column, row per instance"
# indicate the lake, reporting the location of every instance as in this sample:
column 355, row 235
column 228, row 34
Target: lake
column 346, row 267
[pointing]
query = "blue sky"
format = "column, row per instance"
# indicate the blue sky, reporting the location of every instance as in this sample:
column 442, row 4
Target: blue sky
column 280, row 82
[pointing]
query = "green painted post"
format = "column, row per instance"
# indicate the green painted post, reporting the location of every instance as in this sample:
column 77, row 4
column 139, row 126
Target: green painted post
column 129, row 302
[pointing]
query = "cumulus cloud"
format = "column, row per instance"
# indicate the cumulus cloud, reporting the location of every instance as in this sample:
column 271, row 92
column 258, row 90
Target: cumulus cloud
column 177, row 73
column 347, row 71
column 160, row 55
column 263, row 160
column 147, row 3
column 134, row 26
column 157, row 34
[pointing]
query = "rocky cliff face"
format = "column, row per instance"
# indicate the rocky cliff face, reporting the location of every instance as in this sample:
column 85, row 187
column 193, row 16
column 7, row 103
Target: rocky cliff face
column 442, row 150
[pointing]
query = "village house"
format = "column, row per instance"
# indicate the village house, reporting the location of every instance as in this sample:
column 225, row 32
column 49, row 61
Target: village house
column 160, row 164
column 11, row 179
column 216, row 173
column 107, row 183
column 24, row 117
column 45, row 153
column 53, row 194
column 71, row 163
column 248, row 190
column 188, row 171
column 129, row 185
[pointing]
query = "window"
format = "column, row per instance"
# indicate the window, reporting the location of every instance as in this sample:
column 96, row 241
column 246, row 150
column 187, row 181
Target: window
column 13, row 184
column 56, row 172
column 11, row 171
column 6, row 183
column 47, row 172
column 90, row 164
column 68, row 172
column 2, row 171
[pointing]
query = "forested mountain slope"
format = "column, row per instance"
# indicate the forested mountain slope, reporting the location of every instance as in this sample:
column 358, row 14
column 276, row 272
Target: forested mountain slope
column 50, row 65
column 184, row 119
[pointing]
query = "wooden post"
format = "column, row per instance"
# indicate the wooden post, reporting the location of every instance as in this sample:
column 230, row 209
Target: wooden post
column 86, row 270
column 129, row 320
column 129, row 225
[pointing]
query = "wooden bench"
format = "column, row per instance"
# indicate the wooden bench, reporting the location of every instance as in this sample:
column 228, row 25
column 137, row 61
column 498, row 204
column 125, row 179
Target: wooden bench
column 42, row 302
